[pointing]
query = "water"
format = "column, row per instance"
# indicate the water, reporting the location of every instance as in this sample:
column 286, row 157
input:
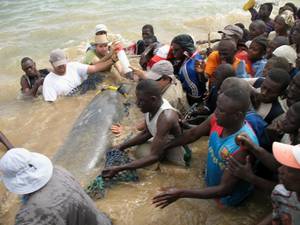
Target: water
column 33, row 28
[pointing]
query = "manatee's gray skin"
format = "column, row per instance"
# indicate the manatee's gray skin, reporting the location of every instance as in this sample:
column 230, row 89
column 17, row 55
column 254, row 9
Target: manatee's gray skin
column 85, row 146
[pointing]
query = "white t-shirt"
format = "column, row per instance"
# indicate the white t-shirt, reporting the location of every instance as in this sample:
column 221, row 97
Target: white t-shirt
column 56, row 85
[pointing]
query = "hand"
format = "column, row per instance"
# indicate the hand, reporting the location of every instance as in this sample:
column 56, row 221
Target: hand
column 138, row 72
column 242, row 171
column 40, row 81
column 245, row 142
column 110, row 172
column 167, row 197
column 199, row 66
column 116, row 129
column 114, row 57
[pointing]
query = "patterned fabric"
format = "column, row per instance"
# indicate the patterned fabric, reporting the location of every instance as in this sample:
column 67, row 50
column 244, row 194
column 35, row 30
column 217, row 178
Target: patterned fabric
column 218, row 152
column 286, row 206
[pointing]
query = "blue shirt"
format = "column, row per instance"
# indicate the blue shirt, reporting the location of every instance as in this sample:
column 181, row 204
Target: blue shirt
column 218, row 152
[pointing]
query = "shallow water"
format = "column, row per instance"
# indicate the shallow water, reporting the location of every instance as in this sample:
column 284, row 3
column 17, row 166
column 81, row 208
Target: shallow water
column 33, row 28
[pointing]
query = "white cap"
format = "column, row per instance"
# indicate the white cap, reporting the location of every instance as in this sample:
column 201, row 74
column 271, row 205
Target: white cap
column 58, row 58
column 160, row 69
column 286, row 52
column 24, row 172
column 100, row 27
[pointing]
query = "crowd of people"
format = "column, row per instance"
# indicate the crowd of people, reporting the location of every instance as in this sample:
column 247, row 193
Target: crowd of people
column 245, row 88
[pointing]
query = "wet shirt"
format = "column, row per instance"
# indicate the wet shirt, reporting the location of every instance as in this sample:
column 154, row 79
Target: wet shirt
column 61, row 202
column 219, row 150
column 56, row 85
column 286, row 206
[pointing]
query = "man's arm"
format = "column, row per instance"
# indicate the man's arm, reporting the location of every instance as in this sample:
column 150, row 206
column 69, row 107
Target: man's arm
column 33, row 91
column 5, row 141
column 139, row 139
column 101, row 66
column 228, row 182
column 260, row 153
column 165, row 123
column 191, row 135
column 245, row 172
column 267, row 220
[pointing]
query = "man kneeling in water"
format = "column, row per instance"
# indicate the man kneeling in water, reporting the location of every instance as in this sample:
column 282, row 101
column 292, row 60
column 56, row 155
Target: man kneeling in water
column 162, row 124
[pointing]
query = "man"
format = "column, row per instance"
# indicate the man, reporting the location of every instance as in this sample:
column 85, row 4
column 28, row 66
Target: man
column 171, row 89
column 256, row 121
column 68, row 75
column 32, row 80
column 288, row 126
column 162, row 123
column 276, row 62
column 290, row 55
column 186, row 56
column 275, row 43
column 226, row 53
column 101, row 53
column 256, row 55
column 148, row 38
column 263, row 14
column 293, row 93
column 50, row 195
column 285, row 196
column 227, row 122
column 223, row 71
column 256, row 28
column 268, row 100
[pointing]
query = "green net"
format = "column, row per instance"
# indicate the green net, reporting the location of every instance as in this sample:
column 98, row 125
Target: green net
column 96, row 189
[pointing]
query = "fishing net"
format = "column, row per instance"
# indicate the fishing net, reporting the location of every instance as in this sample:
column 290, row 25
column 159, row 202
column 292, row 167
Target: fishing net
column 114, row 157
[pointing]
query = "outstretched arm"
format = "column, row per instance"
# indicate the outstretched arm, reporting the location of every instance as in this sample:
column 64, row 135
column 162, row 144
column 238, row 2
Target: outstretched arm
column 226, row 187
column 191, row 135
column 165, row 123
column 5, row 141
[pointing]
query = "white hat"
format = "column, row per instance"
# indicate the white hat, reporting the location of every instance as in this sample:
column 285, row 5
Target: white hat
column 58, row 58
column 100, row 27
column 286, row 52
column 160, row 69
column 24, row 172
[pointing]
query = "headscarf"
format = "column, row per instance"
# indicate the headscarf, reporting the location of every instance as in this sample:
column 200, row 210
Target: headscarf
column 288, row 17
column 186, row 42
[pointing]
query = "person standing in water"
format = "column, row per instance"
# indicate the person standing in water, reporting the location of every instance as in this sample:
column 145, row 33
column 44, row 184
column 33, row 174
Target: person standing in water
column 68, row 75
column 32, row 81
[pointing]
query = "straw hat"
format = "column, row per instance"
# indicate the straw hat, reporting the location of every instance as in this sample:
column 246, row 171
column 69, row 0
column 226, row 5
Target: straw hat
column 101, row 39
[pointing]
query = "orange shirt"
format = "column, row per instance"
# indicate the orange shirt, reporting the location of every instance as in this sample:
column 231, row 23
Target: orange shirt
column 214, row 60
